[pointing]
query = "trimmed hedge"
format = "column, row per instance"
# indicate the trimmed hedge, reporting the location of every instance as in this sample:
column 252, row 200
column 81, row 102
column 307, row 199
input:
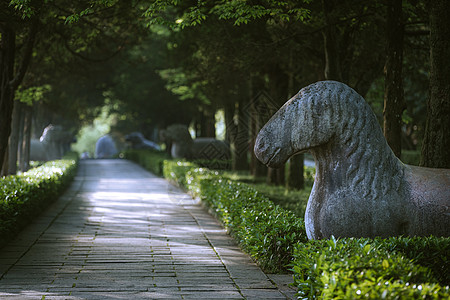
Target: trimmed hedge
column 393, row 268
column 150, row 160
column 22, row 197
column 368, row 269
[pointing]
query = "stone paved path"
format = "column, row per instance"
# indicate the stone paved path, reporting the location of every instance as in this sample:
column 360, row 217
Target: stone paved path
column 119, row 232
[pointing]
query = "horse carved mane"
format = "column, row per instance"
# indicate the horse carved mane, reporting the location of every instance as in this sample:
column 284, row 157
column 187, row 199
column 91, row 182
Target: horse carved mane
column 359, row 137
column 360, row 188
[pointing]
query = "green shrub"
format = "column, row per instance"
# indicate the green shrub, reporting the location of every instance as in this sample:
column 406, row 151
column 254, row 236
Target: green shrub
column 175, row 171
column 361, row 269
column 292, row 200
column 431, row 252
column 150, row 160
column 24, row 196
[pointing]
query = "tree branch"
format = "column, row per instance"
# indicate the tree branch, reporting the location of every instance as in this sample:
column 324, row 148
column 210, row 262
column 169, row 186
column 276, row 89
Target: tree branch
column 103, row 59
column 34, row 25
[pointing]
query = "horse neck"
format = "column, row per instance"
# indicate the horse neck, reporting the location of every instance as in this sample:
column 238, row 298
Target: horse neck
column 356, row 160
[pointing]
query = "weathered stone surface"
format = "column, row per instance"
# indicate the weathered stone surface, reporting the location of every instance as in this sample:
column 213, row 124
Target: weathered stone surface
column 105, row 147
column 53, row 144
column 361, row 189
column 183, row 146
column 138, row 141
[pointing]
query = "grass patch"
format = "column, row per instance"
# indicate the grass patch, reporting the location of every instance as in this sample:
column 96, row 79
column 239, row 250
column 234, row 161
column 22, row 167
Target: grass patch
column 411, row 157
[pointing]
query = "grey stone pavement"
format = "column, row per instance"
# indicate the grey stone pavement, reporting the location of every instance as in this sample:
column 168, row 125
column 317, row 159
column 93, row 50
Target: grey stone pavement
column 119, row 232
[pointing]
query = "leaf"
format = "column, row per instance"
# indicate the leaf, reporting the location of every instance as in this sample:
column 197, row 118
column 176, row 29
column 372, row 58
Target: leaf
column 385, row 264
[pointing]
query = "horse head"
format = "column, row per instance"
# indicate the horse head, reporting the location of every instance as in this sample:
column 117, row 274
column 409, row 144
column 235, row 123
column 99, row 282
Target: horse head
column 301, row 124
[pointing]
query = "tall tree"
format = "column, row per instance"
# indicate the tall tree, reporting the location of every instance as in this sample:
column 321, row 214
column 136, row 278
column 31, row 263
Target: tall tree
column 436, row 143
column 330, row 36
column 394, row 102
column 66, row 31
column 10, row 77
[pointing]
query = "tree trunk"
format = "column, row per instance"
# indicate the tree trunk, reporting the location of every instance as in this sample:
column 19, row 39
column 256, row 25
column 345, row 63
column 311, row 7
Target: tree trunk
column 10, row 81
column 4, row 167
column 14, row 139
column 296, row 179
column 25, row 162
column 394, row 102
column 241, row 141
column 21, row 126
column 254, row 125
column 7, row 49
column 278, row 85
column 436, row 143
column 276, row 176
column 230, row 126
column 207, row 125
column 330, row 34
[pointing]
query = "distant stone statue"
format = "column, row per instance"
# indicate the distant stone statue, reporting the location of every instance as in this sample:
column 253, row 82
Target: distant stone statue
column 183, row 146
column 105, row 147
column 138, row 141
column 361, row 189
column 53, row 144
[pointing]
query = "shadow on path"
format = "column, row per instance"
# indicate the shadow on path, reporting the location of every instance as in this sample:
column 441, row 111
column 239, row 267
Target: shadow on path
column 119, row 232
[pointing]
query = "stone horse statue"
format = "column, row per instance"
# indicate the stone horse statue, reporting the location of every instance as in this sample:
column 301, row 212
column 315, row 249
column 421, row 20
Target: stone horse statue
column 183, row 146
column 105, row 147
column 138, row 141
column 361, row 189
column 53, row 144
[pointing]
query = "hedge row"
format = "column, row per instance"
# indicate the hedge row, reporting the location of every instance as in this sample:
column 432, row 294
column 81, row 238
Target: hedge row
column 150, row 160
column 395, row 268
column 22, row 197
column 372, row 269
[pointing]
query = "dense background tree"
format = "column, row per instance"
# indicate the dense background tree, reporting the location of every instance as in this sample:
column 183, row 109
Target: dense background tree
column 245, row 60
column 348, row 28
column 285, row 42
column 436, row 144
column 394, row 101
column 16, row 33
column 138, row 89
column 63, row 46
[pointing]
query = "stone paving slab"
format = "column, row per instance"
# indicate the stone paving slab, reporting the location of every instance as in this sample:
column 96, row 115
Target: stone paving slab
column 119, row 232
